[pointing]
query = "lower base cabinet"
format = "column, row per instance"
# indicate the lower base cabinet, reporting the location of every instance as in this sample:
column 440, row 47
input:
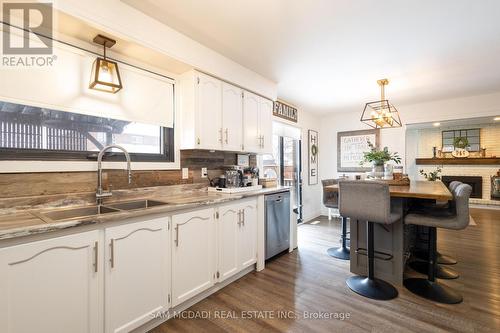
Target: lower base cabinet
column 52, row 285
column 137, row 274
column 236, row 237
column 193, row 254
column 118, row 278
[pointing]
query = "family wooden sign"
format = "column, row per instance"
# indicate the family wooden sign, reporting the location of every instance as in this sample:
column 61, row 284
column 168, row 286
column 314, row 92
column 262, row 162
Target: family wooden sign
column 285, row 111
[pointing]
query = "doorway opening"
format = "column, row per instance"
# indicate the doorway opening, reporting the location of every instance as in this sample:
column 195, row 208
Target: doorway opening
column 285, row 163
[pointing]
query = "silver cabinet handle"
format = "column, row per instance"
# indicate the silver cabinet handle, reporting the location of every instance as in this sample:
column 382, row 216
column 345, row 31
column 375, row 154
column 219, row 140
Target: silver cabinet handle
column 176, row 236
column 96, row 256
column 239, row 217
column 243, row 216
column 263, row 141
column 220, row 135
column 112, row 252
column 227, row 135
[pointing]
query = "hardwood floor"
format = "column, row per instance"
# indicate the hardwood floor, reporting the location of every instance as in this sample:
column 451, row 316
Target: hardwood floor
column 309, row 281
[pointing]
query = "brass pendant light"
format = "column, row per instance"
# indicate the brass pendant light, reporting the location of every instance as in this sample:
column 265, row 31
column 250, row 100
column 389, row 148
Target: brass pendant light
column 105, row 75
column 381, row 114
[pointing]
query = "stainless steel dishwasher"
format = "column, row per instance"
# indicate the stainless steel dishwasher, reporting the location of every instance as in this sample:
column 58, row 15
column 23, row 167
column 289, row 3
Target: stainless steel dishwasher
column 277, row 223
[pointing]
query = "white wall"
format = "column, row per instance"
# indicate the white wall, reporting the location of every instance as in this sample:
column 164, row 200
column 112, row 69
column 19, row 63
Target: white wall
column 395, row 139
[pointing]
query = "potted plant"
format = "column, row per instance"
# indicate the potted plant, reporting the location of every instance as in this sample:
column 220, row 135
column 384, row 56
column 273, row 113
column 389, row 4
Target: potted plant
column 432, row 175
column 378, row 157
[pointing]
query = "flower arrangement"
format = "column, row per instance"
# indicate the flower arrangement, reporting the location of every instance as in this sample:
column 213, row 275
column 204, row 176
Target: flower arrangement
column 432, row 175
column 379, row 156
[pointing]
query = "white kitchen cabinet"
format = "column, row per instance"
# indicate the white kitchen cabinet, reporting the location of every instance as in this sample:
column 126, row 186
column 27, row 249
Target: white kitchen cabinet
column 232, row 117
column 257, row 119
column 266, row 125
column 236, row 237
column 209, row 112
column 212, row 113
column 251, row 131
column 247, row 236
column 193, row 254
column 52, row 285
column 137, row 273
column 228, row 229
column 216, row 115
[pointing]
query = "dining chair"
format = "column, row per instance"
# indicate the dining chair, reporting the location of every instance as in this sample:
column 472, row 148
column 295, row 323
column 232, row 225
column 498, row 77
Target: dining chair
column 430, row 288
column 331, row 200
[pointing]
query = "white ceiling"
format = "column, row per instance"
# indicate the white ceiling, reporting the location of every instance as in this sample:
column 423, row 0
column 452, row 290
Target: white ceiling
column 326, row 55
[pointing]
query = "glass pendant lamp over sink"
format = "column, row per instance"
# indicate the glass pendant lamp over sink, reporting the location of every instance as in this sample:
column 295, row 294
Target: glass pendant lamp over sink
column 381, row 114
column 105, row 75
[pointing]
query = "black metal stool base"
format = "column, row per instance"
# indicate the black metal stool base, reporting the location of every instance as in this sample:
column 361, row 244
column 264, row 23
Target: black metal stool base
column 339, row 253
column 372, row 288
column 442, row 259
column 432, row 291
column 441, row 272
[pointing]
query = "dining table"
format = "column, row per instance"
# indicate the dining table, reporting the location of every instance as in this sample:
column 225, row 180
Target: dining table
column 396, row 240
column 418, row 189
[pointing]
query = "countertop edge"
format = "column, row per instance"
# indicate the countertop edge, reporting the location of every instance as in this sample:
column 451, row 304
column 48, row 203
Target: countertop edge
column 47, row 227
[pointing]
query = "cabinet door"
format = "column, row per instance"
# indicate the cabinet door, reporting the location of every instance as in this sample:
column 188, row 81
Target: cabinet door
column 193, row 254
column 232, row 117
column 266, row 125
column 247, row 242
column 209, row 112
column 251, row 136
column 137, row 273
column 51, row 285
column 228, row 232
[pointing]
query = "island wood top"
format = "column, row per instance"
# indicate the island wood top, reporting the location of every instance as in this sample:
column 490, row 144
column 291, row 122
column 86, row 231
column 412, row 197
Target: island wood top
column 417, row 189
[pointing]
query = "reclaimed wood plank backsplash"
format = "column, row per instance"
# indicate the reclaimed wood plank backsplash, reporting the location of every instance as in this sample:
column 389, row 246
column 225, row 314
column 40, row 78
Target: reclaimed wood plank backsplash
column 49, row 183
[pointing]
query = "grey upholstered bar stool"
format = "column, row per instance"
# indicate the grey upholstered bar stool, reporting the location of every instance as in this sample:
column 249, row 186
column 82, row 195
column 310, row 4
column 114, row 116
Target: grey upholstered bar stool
column 429, row 288
column 442, row 259
column 368, row 201
column 331, row 201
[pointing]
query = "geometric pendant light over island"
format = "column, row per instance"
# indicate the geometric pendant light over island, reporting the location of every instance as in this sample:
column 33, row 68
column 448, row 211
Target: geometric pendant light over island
column 105, row 75
column 381, row 114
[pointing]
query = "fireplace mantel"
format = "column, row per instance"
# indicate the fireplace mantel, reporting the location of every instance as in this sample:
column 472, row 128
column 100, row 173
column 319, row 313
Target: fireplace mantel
column 459, row 161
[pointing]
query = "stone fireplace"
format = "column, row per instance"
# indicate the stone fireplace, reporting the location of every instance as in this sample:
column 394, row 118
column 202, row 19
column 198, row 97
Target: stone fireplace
column 475, row 181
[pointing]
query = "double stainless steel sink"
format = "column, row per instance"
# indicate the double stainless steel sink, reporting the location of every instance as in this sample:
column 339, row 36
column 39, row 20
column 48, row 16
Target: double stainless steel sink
column 87, row 211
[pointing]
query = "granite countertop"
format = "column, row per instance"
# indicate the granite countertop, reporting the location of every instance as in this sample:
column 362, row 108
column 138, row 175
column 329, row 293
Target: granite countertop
column 32, row 221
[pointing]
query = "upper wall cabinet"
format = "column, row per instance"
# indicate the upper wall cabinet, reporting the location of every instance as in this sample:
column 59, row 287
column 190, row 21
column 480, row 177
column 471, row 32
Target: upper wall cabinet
column 257, row 117
column 214, row 116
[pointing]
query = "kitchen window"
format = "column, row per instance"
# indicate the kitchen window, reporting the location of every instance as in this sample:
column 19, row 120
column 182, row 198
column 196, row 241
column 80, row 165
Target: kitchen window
column 34, row 133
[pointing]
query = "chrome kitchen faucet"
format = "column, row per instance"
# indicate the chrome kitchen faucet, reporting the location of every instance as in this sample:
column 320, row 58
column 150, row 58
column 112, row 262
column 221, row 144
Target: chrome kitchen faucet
column 100, row 193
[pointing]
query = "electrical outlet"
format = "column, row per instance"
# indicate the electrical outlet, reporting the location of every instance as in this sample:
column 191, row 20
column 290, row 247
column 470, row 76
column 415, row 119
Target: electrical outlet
column 185, row 173
column 204, row 172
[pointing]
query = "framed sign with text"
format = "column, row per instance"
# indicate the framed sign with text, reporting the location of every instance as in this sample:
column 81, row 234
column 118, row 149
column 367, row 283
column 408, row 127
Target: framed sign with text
column 350, row 148
column 313, row 157
column 285, row 111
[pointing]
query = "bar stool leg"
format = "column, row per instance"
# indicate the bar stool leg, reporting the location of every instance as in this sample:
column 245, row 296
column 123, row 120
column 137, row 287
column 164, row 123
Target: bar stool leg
column 429, row 288
column 341, row 252
column 369, row 286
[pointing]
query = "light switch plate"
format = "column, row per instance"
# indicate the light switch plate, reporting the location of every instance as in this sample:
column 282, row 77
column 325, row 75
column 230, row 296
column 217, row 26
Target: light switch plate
column 203, row 172
column 185, row 173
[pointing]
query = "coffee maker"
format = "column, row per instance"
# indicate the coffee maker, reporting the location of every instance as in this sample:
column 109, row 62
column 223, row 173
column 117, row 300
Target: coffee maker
column 233, row 175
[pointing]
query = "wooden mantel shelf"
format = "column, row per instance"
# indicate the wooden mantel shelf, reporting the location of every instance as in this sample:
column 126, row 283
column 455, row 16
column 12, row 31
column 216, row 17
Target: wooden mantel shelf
column 459, row 161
